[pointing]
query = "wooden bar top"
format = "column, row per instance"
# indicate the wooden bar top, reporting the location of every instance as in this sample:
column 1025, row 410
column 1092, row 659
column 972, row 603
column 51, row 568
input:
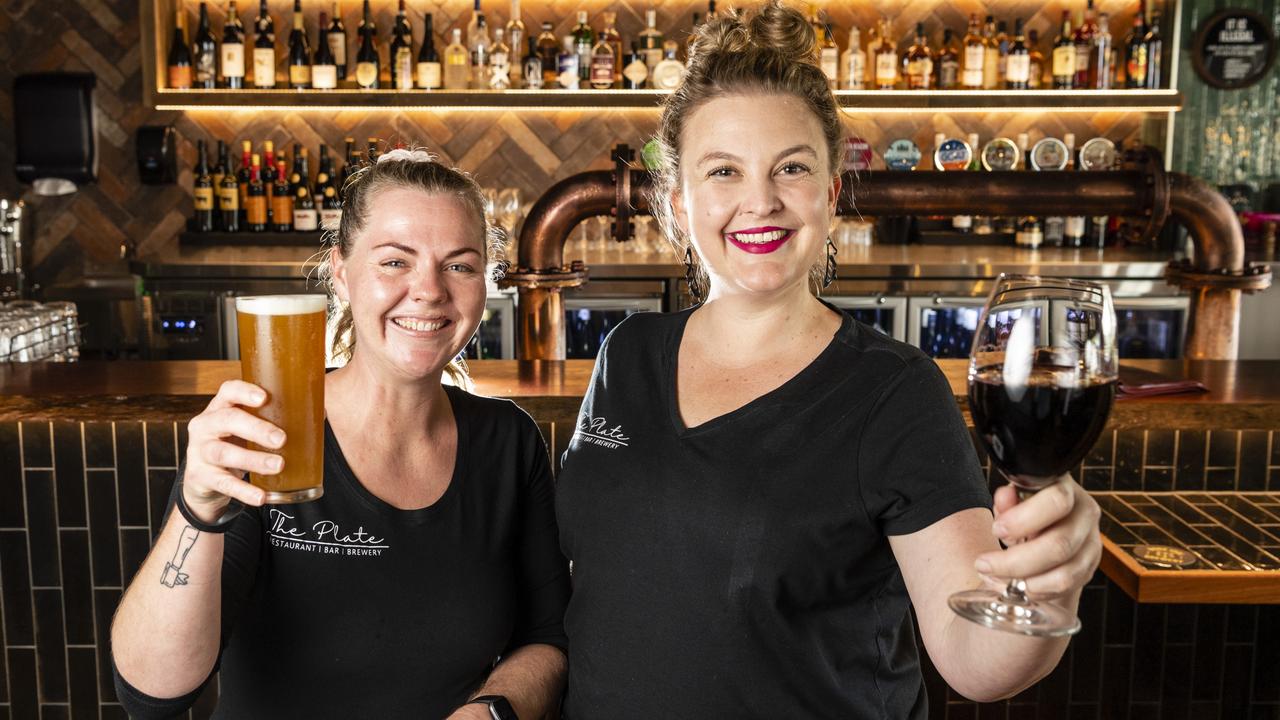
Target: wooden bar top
column 1242, row 395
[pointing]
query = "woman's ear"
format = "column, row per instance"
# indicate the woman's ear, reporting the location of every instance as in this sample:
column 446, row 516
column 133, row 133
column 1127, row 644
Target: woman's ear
column 677, row 211
column 833, row 197
column 338, row 272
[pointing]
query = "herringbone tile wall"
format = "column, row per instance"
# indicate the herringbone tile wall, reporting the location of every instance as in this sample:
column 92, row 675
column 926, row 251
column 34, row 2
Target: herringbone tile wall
column 82, row 234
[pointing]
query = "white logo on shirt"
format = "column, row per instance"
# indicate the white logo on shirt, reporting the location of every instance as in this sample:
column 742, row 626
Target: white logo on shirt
column 325, row 537
column 597, row 432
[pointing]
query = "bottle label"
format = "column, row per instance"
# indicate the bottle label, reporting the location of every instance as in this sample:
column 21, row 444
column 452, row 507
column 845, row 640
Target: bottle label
column 886, row 68
column 367, row 74
column 255, row 210
column 568, row 76
column 1034, row 74
column 1137, row 67
column 301, row 75
column 229, row 198
column 636, row 72
column 831, row 64
column 652, row 56
column 1018, row 69
column 602, row 71
column 203, row 198
column 180, row 77
column 962, row 222
column 338, row 46
column 306, row 220
column 499, row 71
column 205, row 67
column 429, row 76
column 264, row 67
column 1082, row 58
column 973, row 59
column 330, row 218
column 856, row 71
column 1064, row 61
column 1075, row 227
column 991, row 67
column 668, row 74
column 1029, row 235
column 232, row 60
column 282, row 208
column 533, row 72
column 324, row 77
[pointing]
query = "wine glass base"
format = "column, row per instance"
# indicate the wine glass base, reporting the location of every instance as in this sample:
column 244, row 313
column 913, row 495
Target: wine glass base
column 1024, row 617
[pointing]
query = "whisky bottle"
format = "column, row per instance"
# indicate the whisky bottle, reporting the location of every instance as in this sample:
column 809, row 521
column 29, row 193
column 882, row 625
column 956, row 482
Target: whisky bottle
column 853, row 65
column 549, row 54
column 886, row 60
column 974, row 55
column 651, row 40
column 457, row 64
column 947, row 62
column 990, row 57
column 532, row 66
column 1064, row 56
column 918, row 62
column 499, row 61
column 1018, row 65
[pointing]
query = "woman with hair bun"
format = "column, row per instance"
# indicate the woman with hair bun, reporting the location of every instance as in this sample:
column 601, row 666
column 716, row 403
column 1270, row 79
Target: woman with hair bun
column 761, row 489
column 427, row 581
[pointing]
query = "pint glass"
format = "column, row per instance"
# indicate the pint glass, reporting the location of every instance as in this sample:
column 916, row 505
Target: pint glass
column 282, row 351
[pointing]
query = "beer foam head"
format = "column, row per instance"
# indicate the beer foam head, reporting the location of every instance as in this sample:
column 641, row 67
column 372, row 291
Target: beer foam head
column 281, row 304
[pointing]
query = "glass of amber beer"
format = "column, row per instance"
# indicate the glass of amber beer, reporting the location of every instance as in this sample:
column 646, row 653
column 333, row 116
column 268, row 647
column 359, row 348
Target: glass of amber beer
column 282, row 351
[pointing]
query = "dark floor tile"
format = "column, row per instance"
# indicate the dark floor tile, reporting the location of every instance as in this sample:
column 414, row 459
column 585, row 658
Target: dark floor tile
column 1220, row 479
column 69, row 472
column 134, row 546
column 1096, row 479
column 1083, row 711
column 160, row 485
column 1253, row 460
column 42, row 528
column 1265, row 712
column 99, row 446
column 1160, row 448
column 1119, row 622
column 1180, row 624
column 1223, row 448
column 105, row 602
column 1176, row 698
column 1117, row 667
column 1128, row 460
column 1157, row 479
column 77, row 586
column 161, row 444
column 16, row 588
column 1266, row 667
column 1206, row 710
column 113, row 712
column 1211, row 629
column 1242, row 623
column 37, row 444
column 23, row 692
column 1191, row 457
column 55, row 712
column 11, row 503
column 1148, row 653
column 1086, row 650
column 51, row 646
column 1102, row 454
column 1144, row 711
column 104, row 529
column 82, row 672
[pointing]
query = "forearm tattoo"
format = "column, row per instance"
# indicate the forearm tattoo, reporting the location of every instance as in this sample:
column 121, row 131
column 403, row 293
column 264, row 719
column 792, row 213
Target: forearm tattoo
column 173, row 575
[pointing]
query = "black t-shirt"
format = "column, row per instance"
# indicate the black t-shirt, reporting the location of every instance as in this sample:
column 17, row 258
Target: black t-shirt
column 349, row 607
column 742, row 568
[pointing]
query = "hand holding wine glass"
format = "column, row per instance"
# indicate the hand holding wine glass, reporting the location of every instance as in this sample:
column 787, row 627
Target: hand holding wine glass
column 1042, row 377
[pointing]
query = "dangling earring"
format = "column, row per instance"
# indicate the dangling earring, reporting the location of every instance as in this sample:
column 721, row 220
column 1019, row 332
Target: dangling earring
column 691, row 275
column 829, row 272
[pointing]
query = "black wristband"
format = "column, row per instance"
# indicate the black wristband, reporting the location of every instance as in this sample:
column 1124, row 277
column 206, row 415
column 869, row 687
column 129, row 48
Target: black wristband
column 221, row 525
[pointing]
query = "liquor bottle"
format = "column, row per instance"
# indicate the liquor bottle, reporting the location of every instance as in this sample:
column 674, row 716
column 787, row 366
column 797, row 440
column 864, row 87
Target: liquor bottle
column 974, row 55
column 1084, row 38
column 602, row 62
column 1035, row 72
column 368, row 65
column 531, row 66
column 609, row 34
column 242, row 179
column 918, row 62
column 886, row 59
column 947, row 62
column 584, row 41
column 1003, row 43
column 1100, row 69
column 567, row 74
column 981, row 223
column 651, row 40
column 205, row 50
column 457, row 64
column 634, row 70
column 480, row 48
column 1064, row 56
column 179, row 61
column 229, row 204
column 349, row 167
column 281, row 201
column 324, row 68
column 299, row 51
column 990, row 58
column 330, row 209
column 474, row 22
column 1029, row 233
column 711, row 10
column 853, row 65
column 268, row 172
column 549, row 53
column 202, row 192
column 264, row 49
column 255, row 206
column 1073, row 230
column 1135, row 51
column 337, row 40
column 828, row 51
column 873, row 40
column 430, row 72
column 1155, row 52
column 1017, row 71
column 670, row 71
column 499, row 61
column 306, row 218
column 232, row 49
column 400, row 53
column 515, row 39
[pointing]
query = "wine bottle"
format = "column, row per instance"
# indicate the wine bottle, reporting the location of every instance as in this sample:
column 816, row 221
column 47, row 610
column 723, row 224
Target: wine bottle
column 179, row 61
column 368, row 67
column 202, row 191
column 337, row 40
column 255, row 210
column 205, row 50
column 1064, row 56
column 281, row 201
column 264, row 49
column 401, row 51
column 430, row 74
column 232, row 49
column 1018, row 65
column 324, row 70
column 242, row 179
column 299, row 51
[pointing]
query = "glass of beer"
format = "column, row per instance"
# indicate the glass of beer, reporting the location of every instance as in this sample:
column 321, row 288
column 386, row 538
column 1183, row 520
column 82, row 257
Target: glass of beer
column 282, row 351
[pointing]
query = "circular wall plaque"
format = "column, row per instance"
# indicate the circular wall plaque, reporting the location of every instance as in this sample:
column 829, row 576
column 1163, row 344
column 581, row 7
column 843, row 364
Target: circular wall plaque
column 1233, row 49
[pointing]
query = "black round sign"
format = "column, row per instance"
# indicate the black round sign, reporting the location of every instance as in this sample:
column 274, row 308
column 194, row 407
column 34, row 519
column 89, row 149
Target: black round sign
column 1233, row 49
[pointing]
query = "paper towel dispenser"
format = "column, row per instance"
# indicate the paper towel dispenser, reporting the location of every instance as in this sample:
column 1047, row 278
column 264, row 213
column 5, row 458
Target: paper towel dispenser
column 55, row 131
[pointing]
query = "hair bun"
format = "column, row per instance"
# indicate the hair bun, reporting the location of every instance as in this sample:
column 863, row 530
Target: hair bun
column 773, row 27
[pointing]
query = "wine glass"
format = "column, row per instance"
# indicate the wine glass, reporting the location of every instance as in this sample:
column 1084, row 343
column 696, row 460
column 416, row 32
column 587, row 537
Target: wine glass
column 1042, row 377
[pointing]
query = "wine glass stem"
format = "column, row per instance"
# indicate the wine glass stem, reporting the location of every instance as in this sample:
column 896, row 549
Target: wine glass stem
column 1016, row 591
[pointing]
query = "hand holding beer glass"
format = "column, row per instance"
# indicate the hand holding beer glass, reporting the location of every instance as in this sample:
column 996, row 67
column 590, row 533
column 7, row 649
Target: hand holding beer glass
column 270, row 424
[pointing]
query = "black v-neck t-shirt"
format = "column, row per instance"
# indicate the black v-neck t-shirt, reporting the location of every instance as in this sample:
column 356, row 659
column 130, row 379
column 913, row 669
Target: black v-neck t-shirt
column 742, row 568
column 347, row 606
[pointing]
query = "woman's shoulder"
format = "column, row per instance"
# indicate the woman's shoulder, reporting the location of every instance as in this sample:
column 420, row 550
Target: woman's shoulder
column 500, row 413
column 643, row 329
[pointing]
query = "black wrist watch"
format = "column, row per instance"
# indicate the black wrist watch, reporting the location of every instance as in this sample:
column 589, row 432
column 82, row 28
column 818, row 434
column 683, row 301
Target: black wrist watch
column 499, row 708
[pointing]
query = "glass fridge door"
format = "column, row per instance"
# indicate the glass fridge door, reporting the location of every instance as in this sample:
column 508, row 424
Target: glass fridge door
column 943, row 327
column 587, row 321
column 495, row 339
column 886, row 314
column 1151, row 328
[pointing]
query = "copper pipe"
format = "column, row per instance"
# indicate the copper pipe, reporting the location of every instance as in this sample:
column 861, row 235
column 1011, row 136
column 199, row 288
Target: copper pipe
column 1148, row 193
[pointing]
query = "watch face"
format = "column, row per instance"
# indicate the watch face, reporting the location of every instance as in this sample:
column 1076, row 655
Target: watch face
column 1049, row 154
column 902, row 155
column 1000, row 154
column 953, row 154
column 1098, row 154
